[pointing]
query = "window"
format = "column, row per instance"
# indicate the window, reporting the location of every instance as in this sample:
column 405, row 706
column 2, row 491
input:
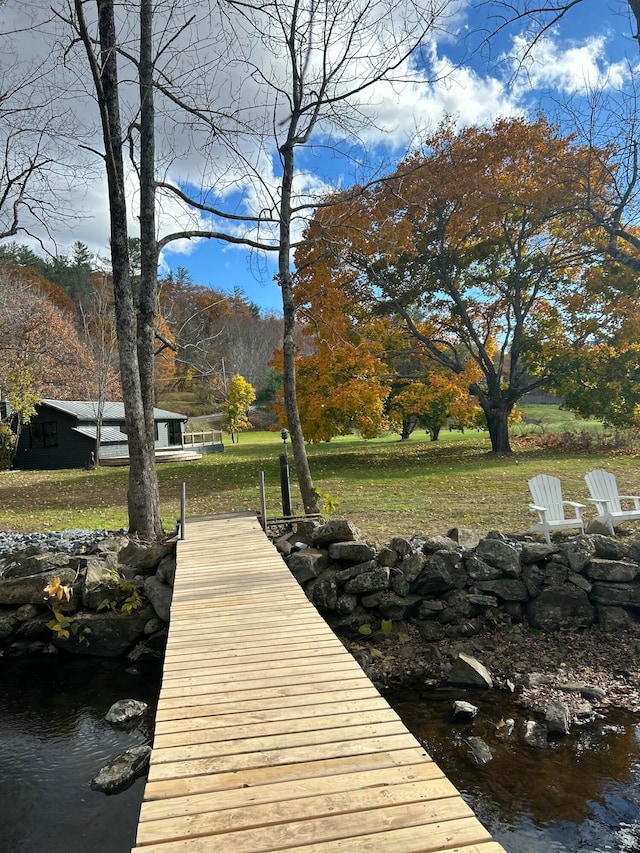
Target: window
column 44, row 435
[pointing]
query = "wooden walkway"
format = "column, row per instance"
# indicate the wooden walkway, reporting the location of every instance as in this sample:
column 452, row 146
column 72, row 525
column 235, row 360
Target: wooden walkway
column 268, row 734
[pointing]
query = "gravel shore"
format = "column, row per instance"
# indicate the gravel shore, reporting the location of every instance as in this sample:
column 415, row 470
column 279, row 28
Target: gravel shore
column 536, row 667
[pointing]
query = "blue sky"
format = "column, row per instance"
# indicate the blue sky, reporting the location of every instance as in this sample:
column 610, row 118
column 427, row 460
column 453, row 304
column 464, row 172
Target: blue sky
column 591, row 47
column 594, row 39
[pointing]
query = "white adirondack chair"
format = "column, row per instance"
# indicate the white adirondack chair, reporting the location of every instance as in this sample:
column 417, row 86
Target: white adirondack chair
column 604, row 494
column 547, row 502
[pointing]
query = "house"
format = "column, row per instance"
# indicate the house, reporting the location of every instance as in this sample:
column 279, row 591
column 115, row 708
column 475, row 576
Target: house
column 62, row 434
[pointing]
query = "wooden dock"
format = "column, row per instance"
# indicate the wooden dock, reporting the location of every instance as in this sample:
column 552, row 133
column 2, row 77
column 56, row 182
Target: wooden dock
column 268, row 734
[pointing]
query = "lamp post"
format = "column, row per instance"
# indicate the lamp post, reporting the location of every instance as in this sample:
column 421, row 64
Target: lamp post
column 284, row 476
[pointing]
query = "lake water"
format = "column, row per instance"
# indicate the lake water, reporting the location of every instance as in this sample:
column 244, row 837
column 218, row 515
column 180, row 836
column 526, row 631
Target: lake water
column 54, row 739
column 581, row 794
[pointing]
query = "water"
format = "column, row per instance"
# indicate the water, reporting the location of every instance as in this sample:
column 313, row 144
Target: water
column 582, row 793
column 54, row 739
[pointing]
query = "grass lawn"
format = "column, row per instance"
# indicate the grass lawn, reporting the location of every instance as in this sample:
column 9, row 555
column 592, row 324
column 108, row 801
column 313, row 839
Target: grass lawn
column 385, row 486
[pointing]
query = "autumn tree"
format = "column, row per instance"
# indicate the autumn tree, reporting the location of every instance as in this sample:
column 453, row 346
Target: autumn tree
column 483, row 235
column 22, row 400
column 36, row 332
column 240, row 396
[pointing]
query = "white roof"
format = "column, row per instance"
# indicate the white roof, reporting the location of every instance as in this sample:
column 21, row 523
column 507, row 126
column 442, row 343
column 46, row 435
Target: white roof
column 108, row 434
column 87, row 410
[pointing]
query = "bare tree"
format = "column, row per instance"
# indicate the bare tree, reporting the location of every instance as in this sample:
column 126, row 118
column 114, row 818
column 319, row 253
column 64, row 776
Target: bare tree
column 37, row 166
column 311, row 71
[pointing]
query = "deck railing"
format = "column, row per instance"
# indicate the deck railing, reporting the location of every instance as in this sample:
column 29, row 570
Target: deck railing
column 212, row 436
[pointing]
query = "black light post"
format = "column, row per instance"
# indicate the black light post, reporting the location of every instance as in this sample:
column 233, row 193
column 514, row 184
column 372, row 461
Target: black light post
column 284, row 476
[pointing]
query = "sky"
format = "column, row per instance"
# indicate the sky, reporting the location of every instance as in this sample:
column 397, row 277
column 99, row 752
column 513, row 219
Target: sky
column 456, row 76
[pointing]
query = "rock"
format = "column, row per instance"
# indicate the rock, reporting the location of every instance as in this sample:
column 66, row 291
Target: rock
column 480, row 750
column 610, row 549
column 351, row 552
column 105, row 634
column 122, row 769
column 438, row 543
column 167, row 569
column 23, row 564
column 145, row 558
column 400, row 546
column 412, row 565
column 598, row 527
column 160, row 595
column 369, row 581
column 336, row 530
column 557, row 717
column 609, row 594
column 387, row 557
column 392, row 606
column 8, row 624
column 579, row 552
column 478, row 570
column 30, row 590
column 101, row 584
column 613, row 619
column 307, row 564
column 580, row 581
column 614, row 571
column 125, row 710
column 444, row 570
column 468, row 671
column 343, row 575
column 554, row 574
column 501, row 555
column 564, row 607
column 464, row 710
column 346, row 604
column 535, row 734
column 323, row 591
column 465, row 537
column 509, row 589
column 536, row 552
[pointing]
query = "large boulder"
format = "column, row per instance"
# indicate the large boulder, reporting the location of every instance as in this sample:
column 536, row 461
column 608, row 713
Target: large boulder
column 101, row 584
column 558, row 608
column 336, row 530
column 30, row 590
column 122, row 769
column 160, row 595
column 104, row 634
column 468, row 671
column 307, row 564
column 351, row 552
column 25, row 563
column 501, row 555
column 443, row 571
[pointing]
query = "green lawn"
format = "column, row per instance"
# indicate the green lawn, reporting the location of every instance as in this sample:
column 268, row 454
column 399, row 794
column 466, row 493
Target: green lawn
column 385, row 486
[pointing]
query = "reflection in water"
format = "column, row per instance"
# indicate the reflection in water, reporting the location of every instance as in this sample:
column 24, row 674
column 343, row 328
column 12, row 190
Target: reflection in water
column 54, row 739
column 582, row 793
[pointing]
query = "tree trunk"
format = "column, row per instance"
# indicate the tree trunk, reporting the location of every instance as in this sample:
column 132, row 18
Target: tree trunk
column 148, row 259
column 408, row 426
column 142, row 510
column 300, row 460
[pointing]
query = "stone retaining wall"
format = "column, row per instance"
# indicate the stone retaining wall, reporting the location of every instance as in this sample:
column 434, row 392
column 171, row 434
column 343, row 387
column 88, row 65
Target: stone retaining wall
column 455, row 585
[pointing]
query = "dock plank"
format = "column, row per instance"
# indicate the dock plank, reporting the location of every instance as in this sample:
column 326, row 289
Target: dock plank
column 269, row 737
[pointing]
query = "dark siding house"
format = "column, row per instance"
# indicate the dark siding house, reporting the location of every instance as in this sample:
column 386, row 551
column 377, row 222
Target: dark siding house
column 62, row 434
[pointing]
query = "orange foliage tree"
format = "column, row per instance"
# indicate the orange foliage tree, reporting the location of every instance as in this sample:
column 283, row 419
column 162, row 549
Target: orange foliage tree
column 475, row 243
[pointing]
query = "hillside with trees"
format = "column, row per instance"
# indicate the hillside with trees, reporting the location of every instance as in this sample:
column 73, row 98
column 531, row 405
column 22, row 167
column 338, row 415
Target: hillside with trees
column 57, row 319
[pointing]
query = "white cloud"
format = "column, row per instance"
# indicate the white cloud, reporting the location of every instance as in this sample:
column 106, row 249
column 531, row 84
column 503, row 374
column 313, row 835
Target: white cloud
column 573, row 69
